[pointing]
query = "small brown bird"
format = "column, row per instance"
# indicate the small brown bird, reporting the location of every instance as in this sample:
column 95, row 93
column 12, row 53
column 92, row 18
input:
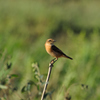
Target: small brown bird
column 53, row 50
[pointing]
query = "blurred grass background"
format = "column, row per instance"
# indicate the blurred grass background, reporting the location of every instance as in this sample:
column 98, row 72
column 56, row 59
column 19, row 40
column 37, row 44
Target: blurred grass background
column 74, row 24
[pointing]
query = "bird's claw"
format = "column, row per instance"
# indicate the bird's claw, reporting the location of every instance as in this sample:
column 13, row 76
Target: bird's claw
column 51, row 64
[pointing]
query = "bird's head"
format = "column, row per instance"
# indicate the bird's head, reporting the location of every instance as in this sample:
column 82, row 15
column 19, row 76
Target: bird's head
column 50, row 41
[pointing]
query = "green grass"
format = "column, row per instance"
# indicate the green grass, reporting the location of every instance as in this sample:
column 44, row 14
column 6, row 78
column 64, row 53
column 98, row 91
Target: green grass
column 24, row 28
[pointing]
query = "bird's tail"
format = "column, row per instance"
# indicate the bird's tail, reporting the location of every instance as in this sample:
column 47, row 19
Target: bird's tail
column 68, row 57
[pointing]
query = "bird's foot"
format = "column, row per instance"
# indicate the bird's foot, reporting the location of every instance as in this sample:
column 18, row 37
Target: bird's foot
column 52, row 62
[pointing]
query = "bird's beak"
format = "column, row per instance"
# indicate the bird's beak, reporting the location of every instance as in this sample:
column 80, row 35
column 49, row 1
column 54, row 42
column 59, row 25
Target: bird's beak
column 54, row 41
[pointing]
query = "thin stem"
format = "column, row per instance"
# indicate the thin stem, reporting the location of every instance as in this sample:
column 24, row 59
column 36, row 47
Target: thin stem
column 48, row 77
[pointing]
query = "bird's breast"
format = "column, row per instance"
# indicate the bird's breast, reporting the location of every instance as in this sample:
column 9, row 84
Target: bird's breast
column 48, row 48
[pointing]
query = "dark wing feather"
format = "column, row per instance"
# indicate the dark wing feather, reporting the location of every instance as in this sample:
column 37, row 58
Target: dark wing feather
column 59, row 51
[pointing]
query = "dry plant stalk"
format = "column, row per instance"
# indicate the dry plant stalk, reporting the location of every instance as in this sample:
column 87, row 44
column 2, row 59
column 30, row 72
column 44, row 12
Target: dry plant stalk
column 48, row 77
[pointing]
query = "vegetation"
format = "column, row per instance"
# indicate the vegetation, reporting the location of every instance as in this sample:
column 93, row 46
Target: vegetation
column 24, row 28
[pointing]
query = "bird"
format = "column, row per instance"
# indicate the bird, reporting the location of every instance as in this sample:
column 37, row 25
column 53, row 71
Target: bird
column 54, row 51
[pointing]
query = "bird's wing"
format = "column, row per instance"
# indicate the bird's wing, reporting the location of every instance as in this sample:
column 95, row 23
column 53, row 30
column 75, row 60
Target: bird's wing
column 57, row 49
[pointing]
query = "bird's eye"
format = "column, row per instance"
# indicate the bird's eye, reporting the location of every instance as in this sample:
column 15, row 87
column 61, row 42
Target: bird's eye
column 49, row 40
